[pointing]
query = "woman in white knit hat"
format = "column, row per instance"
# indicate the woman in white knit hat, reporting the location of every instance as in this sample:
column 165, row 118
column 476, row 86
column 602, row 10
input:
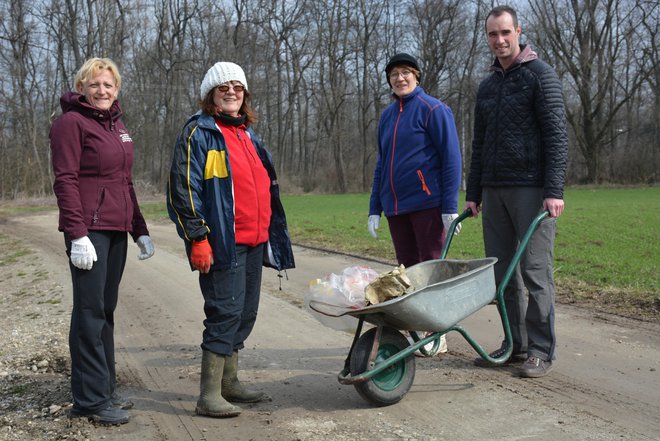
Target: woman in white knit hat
column 224, row 199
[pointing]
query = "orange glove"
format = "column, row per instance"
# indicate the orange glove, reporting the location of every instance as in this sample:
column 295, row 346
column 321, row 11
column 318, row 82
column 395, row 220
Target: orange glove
column 201, row 256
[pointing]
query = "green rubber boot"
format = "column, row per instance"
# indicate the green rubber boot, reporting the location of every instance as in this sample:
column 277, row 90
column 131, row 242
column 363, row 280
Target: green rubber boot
column 210, row 401
column 232, row 389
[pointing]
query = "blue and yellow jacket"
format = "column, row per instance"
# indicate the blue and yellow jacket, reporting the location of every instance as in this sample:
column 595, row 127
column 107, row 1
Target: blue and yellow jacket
column 200, row 198
column 419, row 159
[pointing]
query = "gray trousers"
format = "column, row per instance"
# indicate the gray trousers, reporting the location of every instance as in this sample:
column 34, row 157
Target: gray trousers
column 507, row 213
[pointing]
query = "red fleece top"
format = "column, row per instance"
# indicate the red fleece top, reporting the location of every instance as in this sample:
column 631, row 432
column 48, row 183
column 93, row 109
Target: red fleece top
column 251, row 187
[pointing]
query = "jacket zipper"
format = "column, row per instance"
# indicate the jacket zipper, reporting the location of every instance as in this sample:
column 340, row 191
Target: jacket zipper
column 396, row 126
column 95, row 216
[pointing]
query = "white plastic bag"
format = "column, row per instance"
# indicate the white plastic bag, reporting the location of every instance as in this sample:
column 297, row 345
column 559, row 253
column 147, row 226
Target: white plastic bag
column 344, row 290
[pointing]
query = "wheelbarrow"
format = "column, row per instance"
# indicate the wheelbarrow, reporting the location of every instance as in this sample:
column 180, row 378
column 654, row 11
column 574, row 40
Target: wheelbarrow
column 381, row 362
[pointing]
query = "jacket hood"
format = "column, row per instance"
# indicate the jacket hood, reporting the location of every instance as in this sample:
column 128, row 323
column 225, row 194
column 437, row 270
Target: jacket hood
column 74, row 101
column 526, row 54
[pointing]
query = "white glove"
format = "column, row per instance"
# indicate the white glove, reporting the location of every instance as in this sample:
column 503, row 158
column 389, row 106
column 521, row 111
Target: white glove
column 146, row 246
column 372, row 223
column 447, row 219
column 83, row 254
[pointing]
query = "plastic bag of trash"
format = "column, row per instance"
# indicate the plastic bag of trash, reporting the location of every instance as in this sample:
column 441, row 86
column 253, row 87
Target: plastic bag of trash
column 344, row 290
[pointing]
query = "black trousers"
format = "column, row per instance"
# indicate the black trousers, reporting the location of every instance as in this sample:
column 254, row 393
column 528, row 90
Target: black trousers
column 231, row 301
column 91, row 336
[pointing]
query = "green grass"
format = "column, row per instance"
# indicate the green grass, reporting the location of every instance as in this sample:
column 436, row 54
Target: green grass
column 606, row 237
column 609, row 237
column 25, row 207
column 606, row 250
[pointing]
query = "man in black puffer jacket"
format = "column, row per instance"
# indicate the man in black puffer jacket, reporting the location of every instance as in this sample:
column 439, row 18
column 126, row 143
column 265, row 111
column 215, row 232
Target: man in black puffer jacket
column 519, row 155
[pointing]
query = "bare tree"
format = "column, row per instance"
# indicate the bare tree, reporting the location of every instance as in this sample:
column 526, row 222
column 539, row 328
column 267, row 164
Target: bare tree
column 435, row 21
column 590, row 43
column 157, row 93
column 316, row 72
column 370, row 20
column 20, row 57
column 451, row 72
column 288, row 46
column 335, row 84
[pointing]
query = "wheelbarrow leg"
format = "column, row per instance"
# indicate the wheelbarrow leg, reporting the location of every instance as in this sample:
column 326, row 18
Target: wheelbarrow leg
column 374, row 348
column 347, row 363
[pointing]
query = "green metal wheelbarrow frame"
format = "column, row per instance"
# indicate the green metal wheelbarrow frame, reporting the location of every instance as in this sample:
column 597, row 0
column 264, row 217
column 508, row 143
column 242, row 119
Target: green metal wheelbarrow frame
column 374, row 368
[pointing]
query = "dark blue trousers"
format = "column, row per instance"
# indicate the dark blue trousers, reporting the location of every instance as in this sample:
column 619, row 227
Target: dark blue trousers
column 91, row 339
column 231, row 301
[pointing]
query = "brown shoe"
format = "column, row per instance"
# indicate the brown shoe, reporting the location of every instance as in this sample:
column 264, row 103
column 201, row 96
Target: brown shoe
column 534, row 367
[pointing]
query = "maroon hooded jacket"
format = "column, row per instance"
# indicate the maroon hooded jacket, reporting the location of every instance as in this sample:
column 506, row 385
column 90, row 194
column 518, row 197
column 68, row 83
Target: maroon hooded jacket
column 92, row 160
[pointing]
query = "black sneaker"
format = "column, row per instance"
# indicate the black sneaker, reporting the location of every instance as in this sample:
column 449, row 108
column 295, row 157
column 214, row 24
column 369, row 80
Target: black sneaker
column 109, row 416
column 534, row 367
column 120, row 402
column 514, row 359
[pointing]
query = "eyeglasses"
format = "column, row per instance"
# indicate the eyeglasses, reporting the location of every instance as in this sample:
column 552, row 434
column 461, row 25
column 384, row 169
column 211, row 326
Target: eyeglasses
column 238, row 88
column 403, row 73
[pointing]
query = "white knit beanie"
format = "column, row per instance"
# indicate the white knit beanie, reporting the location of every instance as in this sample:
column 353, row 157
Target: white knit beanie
column 220, row 73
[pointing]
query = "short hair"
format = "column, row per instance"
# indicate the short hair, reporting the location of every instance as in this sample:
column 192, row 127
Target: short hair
column 208, row 106
column 92, row 67
column 503, row 9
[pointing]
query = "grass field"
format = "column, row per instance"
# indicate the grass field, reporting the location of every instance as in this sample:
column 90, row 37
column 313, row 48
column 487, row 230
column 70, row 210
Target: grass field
column 606, row 250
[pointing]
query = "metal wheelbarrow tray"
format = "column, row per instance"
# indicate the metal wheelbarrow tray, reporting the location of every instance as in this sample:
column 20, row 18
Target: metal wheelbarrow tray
column 445, row 292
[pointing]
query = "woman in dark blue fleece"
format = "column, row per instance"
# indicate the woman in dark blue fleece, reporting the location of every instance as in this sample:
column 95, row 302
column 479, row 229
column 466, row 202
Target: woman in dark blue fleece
column 418, row 171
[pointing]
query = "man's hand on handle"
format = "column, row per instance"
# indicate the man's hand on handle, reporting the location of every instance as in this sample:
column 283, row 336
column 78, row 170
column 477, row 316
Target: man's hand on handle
column 473, row 207
column 554, row 206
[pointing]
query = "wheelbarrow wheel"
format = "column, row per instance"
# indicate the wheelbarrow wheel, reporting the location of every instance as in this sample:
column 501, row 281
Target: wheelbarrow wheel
column 392, row 384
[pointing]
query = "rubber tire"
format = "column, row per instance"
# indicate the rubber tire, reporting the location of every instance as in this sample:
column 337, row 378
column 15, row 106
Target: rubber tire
column 391, row 385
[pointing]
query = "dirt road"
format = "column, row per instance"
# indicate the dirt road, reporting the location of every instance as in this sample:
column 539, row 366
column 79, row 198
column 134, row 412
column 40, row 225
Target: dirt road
column 605, row 386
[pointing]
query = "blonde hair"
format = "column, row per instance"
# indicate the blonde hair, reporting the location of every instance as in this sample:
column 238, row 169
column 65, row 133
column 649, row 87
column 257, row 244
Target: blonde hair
column 92, row 67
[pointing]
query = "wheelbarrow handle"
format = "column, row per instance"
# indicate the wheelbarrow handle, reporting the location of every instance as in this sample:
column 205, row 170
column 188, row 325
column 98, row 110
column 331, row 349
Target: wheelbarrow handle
column 450, row 233
column 500, row 295
column 521, row 250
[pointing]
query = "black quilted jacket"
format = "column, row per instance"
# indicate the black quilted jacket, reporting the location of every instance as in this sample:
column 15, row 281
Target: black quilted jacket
column 520, row 129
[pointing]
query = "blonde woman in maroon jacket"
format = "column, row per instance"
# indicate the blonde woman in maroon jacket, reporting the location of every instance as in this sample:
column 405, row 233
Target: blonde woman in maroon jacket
column 92, row 154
